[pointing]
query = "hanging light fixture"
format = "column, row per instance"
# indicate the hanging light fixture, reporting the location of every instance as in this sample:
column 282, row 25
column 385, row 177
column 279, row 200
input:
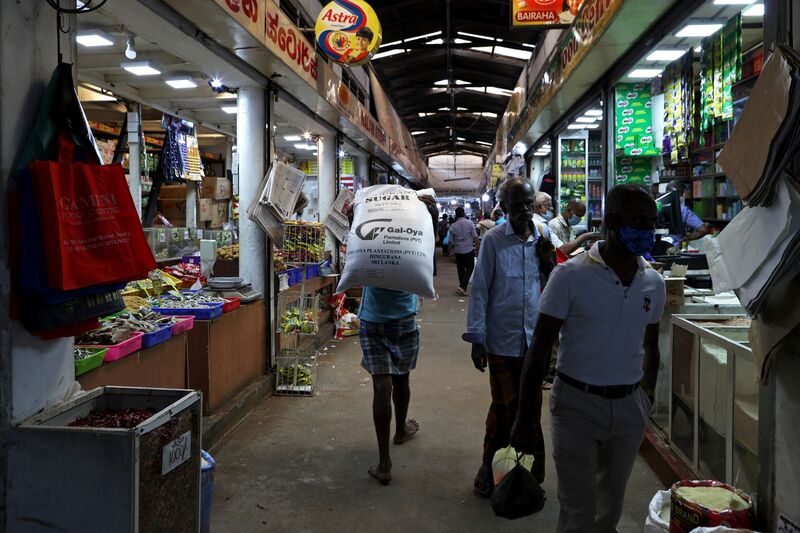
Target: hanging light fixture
column 130, row 48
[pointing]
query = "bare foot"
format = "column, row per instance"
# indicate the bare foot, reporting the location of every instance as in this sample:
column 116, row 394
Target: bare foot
column 412, row 426
column 380, row 475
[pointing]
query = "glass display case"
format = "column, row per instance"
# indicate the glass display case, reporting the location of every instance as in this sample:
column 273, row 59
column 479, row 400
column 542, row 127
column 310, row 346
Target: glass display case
column 172, row 243
column 714, row 398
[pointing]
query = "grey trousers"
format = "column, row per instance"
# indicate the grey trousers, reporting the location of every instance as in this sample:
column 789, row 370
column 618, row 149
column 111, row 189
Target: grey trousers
column 595, row 442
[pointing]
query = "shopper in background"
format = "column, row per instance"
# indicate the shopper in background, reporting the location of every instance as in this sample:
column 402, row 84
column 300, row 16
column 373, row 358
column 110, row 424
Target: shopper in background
column 607, row 304
column 544, row 215
column 485, row 225
column 693, row 225
column 563, row 226
column 498, row 217
column 389, row 338
column 463, row 240
column 502, row 312
column 443, row 228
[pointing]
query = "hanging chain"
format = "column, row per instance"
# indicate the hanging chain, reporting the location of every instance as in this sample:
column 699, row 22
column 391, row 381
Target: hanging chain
column 86, row 7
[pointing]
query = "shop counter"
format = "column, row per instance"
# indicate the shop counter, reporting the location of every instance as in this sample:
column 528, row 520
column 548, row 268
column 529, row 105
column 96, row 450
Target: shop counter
column 161, row 366
column 227, row 354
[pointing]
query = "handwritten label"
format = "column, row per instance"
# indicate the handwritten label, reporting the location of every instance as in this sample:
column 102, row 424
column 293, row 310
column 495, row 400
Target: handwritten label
column 176, row 453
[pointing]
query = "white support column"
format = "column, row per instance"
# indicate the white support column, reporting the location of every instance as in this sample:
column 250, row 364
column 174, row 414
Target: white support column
column 362, row 170
column 250, row 131
column 191, row 204
column 326, row 181
column 135, row 155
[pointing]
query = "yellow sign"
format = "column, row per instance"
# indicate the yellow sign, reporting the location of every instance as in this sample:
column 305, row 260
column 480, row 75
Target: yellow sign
column 544, row 12
column 348, row 31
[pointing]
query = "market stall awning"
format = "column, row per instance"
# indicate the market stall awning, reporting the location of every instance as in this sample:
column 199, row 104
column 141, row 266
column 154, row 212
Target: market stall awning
column 583, row 57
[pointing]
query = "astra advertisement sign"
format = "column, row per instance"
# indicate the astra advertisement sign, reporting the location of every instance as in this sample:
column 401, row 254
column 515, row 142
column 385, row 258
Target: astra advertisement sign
column 348, row 31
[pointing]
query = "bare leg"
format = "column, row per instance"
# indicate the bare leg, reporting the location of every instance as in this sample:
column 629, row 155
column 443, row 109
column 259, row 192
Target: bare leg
column 382, row 417
column 401, row 393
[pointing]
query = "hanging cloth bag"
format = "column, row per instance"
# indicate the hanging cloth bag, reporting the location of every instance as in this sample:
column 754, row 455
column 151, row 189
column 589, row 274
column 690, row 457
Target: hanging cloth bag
column 90, row 228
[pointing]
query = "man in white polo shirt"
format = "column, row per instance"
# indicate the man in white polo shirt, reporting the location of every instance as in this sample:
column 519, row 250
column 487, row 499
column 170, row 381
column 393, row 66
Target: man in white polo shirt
column 607, row 305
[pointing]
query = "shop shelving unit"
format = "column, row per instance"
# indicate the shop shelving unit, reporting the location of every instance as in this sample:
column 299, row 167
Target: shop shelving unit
column 296, row 372
column 573, row 168
column 595, row 180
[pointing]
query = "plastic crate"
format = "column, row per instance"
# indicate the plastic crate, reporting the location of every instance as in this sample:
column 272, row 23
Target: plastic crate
column 118, row 351
column 295, row 276
column 184, row 324
column 207, row 312
column 231, row 303
column 296, row 372
column 312, row 270
column 90, row 363
column 157, row 337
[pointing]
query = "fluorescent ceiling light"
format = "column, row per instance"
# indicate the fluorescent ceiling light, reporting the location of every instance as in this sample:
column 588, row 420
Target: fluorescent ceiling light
column 483, row 143
column 229, row 109
column 302, row 146
column 226, row 96
column 436, row 41
column 460, row 139
column 526, row 45
column 698, row 48
column 644, row 73
column 588, row 120
column 733, row 2
column 292, row 138
column 477, row 36
column 389, row 53
column 699, row 30
column 498, row 90
column 183, row 82
column 422, row 115
column 93, row 39
column 393, row 43
column 440, row 82
column 756, row 10
column 576, row 126
column 504, row 51
column 486, row 114
column 418, row 132
column 460, row 41
column 418, row 37
column 666, row 55
column 594, row 113
column 592, row 126
column 140, row 68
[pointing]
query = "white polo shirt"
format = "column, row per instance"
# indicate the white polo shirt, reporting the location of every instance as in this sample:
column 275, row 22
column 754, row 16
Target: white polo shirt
column 602, row 340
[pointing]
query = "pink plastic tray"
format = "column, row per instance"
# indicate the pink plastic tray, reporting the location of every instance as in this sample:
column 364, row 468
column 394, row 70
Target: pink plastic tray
column 118, row 351
column 184, row 323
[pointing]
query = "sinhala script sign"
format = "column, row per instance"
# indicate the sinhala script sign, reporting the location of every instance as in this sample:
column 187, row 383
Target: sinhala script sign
column 348, row 31
column 543, row 12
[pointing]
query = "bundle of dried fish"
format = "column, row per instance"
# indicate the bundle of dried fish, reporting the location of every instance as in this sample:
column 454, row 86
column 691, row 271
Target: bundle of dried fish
column 82, row 353
column 124, row 326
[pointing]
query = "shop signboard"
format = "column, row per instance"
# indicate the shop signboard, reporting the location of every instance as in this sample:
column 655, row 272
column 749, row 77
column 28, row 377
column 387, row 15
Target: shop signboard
column 544, row 12
column 266, row 22
column 593, row 18
column 348, row 31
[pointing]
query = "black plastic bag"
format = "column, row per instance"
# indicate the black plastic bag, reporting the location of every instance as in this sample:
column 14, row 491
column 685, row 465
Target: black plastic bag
column 518, row 494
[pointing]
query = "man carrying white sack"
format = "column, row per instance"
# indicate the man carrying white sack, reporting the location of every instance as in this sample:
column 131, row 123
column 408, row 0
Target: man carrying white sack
column 388, row 332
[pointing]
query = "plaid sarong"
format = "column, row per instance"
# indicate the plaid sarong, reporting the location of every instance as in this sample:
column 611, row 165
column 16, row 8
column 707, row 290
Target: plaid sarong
column 389, row 348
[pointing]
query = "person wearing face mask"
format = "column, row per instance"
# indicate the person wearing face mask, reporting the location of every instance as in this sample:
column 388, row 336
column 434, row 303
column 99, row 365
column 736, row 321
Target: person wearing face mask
column 693, row 224
column 607, row 305
column 543, row 215
column 501, row 315
column 564, row 224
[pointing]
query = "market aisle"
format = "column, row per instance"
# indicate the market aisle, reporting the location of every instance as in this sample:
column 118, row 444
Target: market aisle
column 300, row 464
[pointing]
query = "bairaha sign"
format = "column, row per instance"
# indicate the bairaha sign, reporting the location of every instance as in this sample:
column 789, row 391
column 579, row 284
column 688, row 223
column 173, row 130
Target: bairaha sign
column 544, row 12
column 348, row 31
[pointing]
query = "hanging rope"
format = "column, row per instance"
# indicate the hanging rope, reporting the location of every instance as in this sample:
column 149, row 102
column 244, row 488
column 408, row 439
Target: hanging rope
column 86, row 7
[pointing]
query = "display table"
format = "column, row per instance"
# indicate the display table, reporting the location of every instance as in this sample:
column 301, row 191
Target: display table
column 161, row 366
column 227, row 354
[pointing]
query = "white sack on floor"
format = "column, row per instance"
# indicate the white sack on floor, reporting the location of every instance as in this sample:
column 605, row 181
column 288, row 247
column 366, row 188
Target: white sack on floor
column 392, row 241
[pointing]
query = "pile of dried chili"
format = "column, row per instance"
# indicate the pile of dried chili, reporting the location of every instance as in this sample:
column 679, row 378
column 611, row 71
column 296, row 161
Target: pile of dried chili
column 126, row 418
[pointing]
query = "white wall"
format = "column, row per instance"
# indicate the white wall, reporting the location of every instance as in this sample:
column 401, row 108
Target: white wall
column 36, row 373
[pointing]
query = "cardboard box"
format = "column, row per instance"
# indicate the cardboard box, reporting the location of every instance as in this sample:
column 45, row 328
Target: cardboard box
column 174, row 211
column 173, row 192
column 216, row 188
column 219, row 213
column 675, row 292
column 204, row 210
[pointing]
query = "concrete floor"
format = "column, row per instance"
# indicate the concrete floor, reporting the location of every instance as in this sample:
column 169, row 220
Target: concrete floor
column 300, row 464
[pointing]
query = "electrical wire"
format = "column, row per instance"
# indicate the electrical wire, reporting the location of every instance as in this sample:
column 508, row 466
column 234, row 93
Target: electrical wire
column 87, row 7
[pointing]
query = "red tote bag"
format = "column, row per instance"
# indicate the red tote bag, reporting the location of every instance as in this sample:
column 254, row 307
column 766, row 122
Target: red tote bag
column 90, row 227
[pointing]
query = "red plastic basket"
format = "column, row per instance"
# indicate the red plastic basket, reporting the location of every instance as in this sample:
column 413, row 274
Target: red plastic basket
column 231, row 303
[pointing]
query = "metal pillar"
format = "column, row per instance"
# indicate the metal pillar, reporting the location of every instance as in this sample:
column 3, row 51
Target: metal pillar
column 250, row 130
column 362, row 172
column 135, row 155
column 326, row 181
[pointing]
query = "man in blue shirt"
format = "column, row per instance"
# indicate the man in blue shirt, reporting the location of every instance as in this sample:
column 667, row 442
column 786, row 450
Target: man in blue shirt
column 694, row 227
column 389, row 339
column 463, row 239
column 502, row 313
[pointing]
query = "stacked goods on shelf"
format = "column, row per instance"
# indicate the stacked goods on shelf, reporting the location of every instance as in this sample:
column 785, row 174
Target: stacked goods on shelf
column 573, row 170
column 720, row 68
column 634, row 141
column 678, row 83
column 228, row 252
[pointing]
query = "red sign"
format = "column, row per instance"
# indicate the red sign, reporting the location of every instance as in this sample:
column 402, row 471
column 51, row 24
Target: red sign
column 544, row 12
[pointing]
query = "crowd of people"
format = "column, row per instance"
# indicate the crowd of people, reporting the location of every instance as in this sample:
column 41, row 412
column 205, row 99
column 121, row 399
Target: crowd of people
column 530, row 291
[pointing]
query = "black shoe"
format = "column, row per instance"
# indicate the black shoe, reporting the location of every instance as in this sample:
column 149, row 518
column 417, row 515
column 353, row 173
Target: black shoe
column 484, row 481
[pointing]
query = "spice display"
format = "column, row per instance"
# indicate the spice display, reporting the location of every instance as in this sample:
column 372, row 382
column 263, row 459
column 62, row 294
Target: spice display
column 228, row 252
column 126, row 418
column 135, row 302
column 303, row 242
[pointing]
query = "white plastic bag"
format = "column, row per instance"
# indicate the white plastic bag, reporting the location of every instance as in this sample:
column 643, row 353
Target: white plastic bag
column 392, row 241
column 658, row 513
column 505, row 460
column 721, row 529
